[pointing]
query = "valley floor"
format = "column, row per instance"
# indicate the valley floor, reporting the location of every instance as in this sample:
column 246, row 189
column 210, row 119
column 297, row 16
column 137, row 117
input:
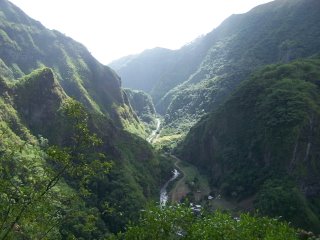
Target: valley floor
column 194, row 186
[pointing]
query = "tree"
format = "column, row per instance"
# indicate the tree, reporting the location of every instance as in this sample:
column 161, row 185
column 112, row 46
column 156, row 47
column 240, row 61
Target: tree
column 179, row 222
column 30, row 201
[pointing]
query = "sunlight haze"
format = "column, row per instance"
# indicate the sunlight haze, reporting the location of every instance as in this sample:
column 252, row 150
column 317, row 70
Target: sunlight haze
column 111, row 29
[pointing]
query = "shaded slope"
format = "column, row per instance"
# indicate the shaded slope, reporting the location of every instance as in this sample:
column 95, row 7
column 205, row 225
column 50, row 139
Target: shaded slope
column 264, row 140
column 142, row 104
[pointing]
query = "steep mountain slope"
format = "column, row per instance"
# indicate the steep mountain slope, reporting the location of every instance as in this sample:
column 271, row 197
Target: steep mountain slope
column 27, row 45
column 264, row 142
column 280, row 31
column 36, row 105
column 38, row 117
column 142, row 105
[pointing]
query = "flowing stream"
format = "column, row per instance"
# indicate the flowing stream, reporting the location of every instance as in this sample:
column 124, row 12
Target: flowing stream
column 175, row 173
column 163, row 191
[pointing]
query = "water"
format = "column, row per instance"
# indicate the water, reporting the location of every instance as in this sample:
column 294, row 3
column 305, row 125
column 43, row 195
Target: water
column 163, row 191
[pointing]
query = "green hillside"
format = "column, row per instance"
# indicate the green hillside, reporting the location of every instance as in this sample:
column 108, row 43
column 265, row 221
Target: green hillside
column 74, row 162
column 29, row 162
column 70, row 166
column 264, row 142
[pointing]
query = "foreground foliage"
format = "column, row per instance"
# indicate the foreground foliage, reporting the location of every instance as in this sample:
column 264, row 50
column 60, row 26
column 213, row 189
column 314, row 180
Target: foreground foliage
column 179, row 222
column 33, row 201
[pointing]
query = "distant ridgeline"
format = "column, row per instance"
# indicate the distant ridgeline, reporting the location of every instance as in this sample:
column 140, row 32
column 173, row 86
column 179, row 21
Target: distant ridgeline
column 186, row 84
column 44, row 76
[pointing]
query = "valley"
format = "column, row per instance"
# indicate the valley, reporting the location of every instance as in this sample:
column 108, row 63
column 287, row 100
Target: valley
column 182, row 179
column 222, row 133
column 240, row 108
column 188, row 184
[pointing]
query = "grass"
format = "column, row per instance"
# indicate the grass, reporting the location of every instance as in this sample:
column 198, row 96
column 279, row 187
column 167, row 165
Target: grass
column 168, row 141
column 191, row 182
column 192, row 172
column 168, row 138
column 200, row 191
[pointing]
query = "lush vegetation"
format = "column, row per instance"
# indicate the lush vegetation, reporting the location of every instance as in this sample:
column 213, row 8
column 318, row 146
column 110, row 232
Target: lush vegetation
column 90, row 199
column 73, row 164
column 263, row 141
column 35, row 200
column 62, row 127
column 180, row 222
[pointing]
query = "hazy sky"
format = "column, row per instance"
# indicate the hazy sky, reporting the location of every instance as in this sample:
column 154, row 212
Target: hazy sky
column 111, row 29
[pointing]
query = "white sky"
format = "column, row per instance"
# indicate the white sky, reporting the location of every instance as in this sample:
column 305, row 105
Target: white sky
column 111, row 29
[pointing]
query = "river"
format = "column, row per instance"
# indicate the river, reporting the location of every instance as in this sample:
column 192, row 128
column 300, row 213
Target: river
column 175, row 173
column 163, row 191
